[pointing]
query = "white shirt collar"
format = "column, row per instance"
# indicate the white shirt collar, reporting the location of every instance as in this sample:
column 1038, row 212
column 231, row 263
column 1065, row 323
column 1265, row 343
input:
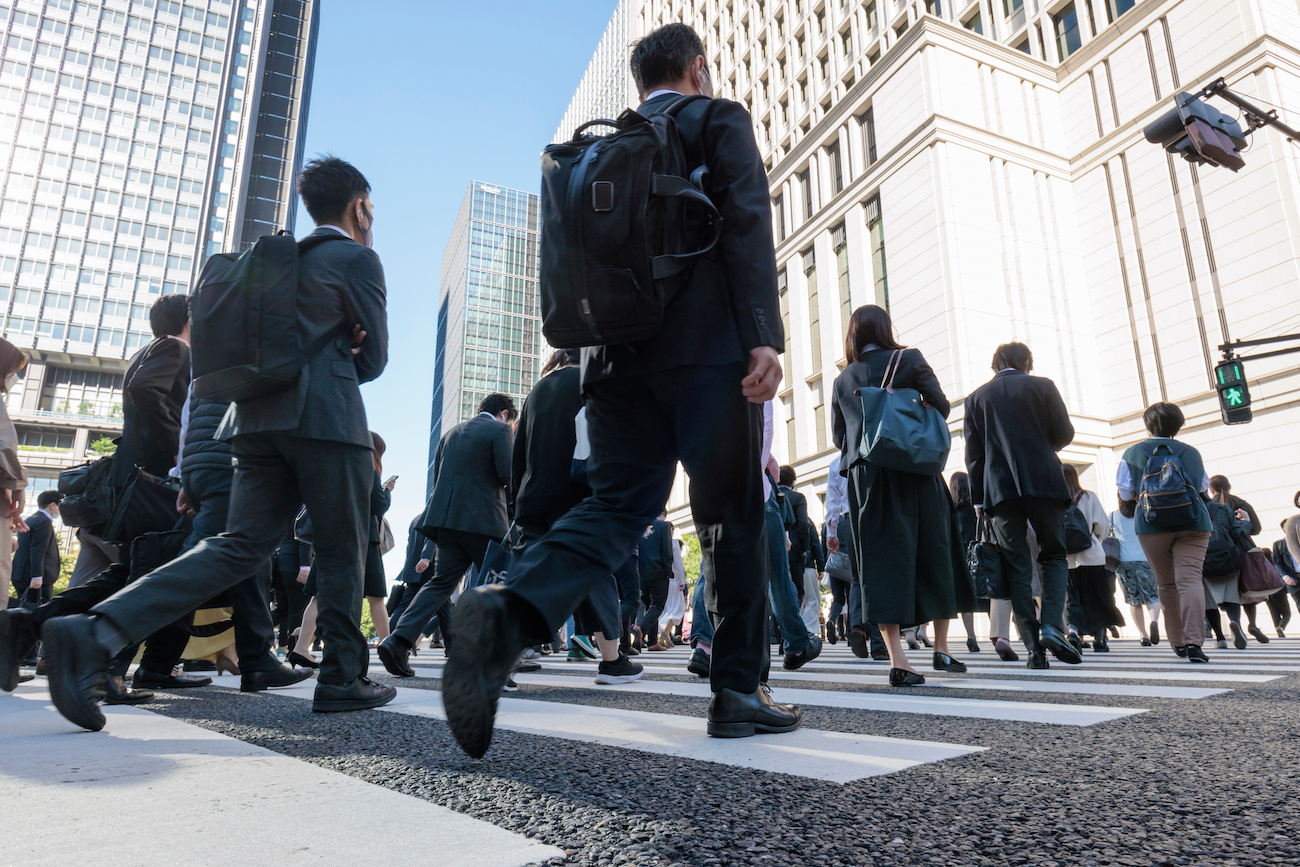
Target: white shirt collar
column 335, row 228
column 47, row 513
column 487, row 414
column 659, row 92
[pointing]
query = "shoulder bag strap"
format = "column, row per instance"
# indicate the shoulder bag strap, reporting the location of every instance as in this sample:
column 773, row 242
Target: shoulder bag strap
column 887, row 381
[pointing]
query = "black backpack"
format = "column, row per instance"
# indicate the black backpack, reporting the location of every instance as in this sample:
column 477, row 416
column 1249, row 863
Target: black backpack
column 1223, row 554
column 244, row 320
column 615, row 239
column 1078, row 532
column 1166, row 496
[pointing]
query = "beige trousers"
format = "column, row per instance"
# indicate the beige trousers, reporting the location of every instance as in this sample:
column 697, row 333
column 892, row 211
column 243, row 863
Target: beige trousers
column 1177, row 560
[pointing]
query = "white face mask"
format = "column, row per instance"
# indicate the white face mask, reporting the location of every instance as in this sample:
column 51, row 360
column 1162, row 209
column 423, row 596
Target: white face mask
column 10, row 380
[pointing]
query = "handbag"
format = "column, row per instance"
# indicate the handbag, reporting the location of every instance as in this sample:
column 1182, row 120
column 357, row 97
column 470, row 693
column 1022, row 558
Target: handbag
column 1258, row 578
column 87, row 495
column 496, row 564
column 1111, row 548
column 899, row 430
column 839, row 566
column 984, row 560
column 146, row 504
column 387, row 541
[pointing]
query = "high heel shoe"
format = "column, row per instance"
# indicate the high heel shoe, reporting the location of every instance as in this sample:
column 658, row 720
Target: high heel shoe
column 972, row 645
column 944, row 662
column 903, row 677
column 226, row 665
column 297, row 659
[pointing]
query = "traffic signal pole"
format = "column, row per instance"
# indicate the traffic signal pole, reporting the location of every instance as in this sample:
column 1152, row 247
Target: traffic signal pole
column 1256, row 117
column 1230, row 374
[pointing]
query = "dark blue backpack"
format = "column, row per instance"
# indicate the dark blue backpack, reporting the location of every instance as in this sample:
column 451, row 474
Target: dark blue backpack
column 1166, row 496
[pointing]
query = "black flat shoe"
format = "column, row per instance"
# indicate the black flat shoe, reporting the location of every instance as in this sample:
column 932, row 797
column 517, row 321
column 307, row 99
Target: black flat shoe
column 739, row 715
column 1258, row 633
column 830, row 633
column 361, row 694
column 1061, row 648
column 944, row 662
column 175, row 679
column 300, row 661
column 858, row 642
column 395, row 655
column 1155, row 633
column 903, row 677
column 117, row 692
column 489, row 639
column 76, row 664
column 1038, row 660
column 256, row 681
column 796, row 661
column 198, row 665
column 1146, row 642
column 972, row 645
column 1238, row 637
column 1100, row 646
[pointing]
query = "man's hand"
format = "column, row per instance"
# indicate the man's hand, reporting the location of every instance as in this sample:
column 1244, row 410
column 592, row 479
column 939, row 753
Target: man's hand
column 35, row 584
column 1289, row 581
column 183, row 505
column 422, row 566
column 358, row 337
column 833, row 544
column 16, row 504
column 303, row 572
column 764, row 375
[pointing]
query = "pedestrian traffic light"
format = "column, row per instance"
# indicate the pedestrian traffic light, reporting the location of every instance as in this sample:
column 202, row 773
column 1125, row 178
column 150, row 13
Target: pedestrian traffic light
column 1234, row 394
column 1198, row 133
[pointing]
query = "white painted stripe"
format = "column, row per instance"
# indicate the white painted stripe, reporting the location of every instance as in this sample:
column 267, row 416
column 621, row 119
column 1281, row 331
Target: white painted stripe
column 836, row 757
column 165, row 767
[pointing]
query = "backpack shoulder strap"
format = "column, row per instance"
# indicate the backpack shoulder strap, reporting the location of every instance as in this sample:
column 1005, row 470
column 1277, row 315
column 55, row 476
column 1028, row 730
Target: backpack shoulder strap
column 679, row 103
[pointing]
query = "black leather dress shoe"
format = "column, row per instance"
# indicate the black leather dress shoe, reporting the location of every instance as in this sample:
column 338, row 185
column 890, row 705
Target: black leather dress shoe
column 944, row 662
column 198, row 665
column 1038, row 660
column 395, row 655
column 527, row 665
column 858, row 641
column 256, row 681
column 1054, row 640
column 172, row 680
column 361, row 694
column 77, row 666
column 796, row 661
column 17, row 635
column 117, row 692
column 699, row 663
column 903, row 677
column 738, row 715
column 489, row 639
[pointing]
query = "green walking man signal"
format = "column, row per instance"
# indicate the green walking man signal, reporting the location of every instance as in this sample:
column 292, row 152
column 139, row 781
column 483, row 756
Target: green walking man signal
column 1234, row 393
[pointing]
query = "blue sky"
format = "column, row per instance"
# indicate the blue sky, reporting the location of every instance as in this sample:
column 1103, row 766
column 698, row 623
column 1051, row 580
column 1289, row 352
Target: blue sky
column 424, row 96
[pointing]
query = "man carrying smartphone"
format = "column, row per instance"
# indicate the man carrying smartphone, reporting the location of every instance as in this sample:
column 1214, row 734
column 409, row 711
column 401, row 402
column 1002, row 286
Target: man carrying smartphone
column 467, row 509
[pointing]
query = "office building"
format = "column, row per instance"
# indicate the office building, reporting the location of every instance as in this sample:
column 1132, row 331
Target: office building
column 137, row 137
column 489, row 327
column 979, row 168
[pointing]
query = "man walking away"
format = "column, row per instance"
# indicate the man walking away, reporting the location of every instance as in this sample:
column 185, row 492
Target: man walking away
column 691, row 393
column 467, row 509
column 308, row 444
column 1015, row 425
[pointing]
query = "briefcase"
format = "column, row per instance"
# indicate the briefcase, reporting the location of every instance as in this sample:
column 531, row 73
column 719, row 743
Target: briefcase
column 146, row 504
column 984, row 560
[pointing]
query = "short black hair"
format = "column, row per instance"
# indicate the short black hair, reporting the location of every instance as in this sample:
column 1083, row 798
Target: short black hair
column 496, row 403
column 788, row 477
column 46, row 497
column 169, row 314
column 1163, row 419
column 328, row 185
column 1014, row 354
column 664, row 55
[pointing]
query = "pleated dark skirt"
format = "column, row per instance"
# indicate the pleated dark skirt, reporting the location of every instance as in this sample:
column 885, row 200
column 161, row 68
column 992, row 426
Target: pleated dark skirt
column 905, row 534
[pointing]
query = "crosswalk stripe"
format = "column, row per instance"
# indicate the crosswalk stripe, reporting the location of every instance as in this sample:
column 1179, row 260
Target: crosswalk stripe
column 162, row 766
column 837, row 757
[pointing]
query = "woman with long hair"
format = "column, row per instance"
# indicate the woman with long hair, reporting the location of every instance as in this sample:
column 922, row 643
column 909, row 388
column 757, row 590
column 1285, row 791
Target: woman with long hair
column 1092, row 607
column 904, row 524
column 1221, row 492
column 967, row 523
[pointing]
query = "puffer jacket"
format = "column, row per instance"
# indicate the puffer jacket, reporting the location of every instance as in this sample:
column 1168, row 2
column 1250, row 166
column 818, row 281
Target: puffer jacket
column 202, row 448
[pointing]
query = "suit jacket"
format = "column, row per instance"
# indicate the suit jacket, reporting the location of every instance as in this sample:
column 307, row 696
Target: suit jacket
column 417, row 548
column 340, row 284
column 869, row 372
column 655, row 552
column 1282, row 560
column 798, row 531
column 153, row 394
column 471, row 473
column 381, row 499
column 541, row 484
column 1015, row 425
column 729, row 304
column 37, row 554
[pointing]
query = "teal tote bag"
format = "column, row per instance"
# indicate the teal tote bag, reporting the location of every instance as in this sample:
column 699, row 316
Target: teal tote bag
column 899, row 430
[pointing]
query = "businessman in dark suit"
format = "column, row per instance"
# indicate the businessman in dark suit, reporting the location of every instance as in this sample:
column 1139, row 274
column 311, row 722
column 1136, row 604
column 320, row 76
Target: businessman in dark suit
column 466, row 511
column 307, row 444
column 1015, row 425
column 691, row 393
column 154, row 391
column 37, row 561
column 420, row 551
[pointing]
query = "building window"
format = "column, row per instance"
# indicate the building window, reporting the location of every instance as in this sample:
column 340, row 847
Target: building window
column 873, row 16
column 1066, row 24
column 814, row 308
column 837, row 167
column 840, row 244
column 805, row 192
column 876, row 227
column 787, row 410
column 778, row 205
column 1116, row 8
column 48, row 440
column 934, row 7
column 1011, row 7
column 869, row 135
column 818, row 395
column 974, row 23
column 85, row 392
column 783, row 293
column 1023, row 45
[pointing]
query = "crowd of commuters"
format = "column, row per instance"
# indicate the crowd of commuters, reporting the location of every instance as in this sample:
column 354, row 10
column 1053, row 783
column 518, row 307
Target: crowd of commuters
column 547, row 520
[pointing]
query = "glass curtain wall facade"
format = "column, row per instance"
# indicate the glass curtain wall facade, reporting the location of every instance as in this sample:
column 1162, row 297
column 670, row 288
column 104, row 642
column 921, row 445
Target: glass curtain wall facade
column 489, row 324
column 136, row 137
